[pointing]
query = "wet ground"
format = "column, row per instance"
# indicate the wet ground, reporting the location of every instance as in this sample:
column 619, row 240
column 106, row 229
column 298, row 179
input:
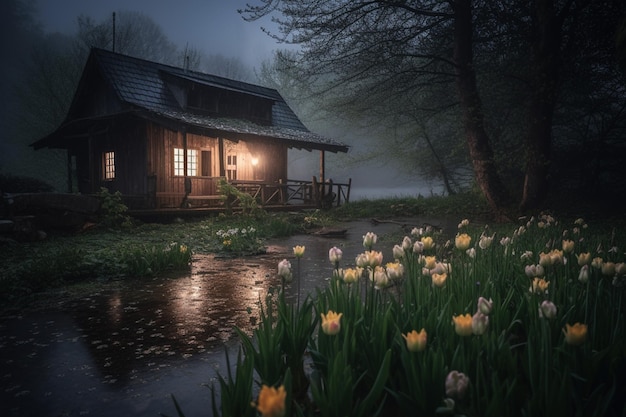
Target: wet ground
column 125, row 348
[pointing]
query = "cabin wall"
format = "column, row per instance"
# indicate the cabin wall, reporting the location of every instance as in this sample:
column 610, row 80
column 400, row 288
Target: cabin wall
column 237, row 159
column 126, row 139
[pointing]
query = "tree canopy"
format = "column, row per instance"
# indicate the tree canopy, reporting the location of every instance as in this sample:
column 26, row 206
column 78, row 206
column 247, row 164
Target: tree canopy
column 508, row 77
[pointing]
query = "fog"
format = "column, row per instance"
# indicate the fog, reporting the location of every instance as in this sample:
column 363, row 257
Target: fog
column 29, row 25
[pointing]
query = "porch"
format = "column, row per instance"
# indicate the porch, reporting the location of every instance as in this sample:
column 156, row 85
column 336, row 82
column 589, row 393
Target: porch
column 204, row 193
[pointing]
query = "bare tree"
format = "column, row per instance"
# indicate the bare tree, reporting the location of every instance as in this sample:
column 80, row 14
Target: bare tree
column 375, row 52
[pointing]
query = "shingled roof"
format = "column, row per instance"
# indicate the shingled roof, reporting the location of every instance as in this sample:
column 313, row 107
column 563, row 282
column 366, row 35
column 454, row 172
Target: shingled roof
column 141, row 86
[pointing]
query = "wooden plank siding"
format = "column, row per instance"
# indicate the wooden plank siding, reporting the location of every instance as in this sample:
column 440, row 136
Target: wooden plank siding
column 170, row 189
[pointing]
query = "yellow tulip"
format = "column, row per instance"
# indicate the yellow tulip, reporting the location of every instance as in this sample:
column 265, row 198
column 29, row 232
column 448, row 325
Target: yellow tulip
column 298, row 251
column 416, row 342
column 462, row 241
column 583, row 258
column 351, row 275
column 428, row 242
column 575, row 335
column 331, row 323
column 430, row 262
column 439, row 280
column 271, row 401
column 539, row 286
column 568, row 245
column 608, row 269
column 463, row 324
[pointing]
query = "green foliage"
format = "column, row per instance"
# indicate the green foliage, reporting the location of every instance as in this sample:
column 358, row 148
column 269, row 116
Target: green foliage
column 468, row 204
column 240, row 241
column 523, row 364
column 113, row 210
column 237, row 198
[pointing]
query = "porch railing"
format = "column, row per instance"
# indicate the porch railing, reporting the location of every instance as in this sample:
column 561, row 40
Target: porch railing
column 204, row 192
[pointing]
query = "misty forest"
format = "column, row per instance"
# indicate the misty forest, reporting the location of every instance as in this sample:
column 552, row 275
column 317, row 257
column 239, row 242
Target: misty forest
column 508, row 114
column 521, row 101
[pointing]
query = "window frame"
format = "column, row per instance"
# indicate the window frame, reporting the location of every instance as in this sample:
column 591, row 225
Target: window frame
column 108, row 166
column 193, row 159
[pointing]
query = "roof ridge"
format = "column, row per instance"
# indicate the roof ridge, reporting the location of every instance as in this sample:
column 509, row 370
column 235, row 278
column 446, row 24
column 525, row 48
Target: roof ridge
column 178, row 70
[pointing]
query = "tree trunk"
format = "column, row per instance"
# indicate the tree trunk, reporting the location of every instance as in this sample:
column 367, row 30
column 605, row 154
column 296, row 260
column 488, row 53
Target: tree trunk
column 544, row 80
column 480, row 150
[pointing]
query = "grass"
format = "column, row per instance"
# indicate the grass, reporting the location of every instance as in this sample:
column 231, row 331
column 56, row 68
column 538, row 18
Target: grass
column 508, row 360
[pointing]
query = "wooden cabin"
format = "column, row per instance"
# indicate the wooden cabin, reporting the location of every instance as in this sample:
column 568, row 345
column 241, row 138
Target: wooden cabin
column 164, row 136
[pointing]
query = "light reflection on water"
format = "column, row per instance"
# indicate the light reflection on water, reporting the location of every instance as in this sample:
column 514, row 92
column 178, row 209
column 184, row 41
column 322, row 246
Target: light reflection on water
column 124, row 351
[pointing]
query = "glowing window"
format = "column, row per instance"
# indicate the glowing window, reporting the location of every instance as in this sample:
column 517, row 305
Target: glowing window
column 179, row 162
column 109, row 165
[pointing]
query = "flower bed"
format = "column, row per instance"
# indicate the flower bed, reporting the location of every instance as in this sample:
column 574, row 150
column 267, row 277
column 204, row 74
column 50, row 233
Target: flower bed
column 531, row 322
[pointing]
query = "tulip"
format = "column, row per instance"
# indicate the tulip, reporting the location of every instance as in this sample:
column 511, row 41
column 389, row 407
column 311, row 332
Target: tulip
column 351, row 275
column 418, row 247
column 471, row 252
column 583, row 276
column 272, row 401
column 361, row 260
column 430, row 262
column 583, row 258
column 428, row 242
column 284, row 270
column 539, row 286
column 485, row 241
column 369, row 239
column 464, row 223
column 374, row 258
column 334, row 255
column 456, row 385
column 441, row 268
column 380, row 277
column 608, row 269
column 462, row 241
column 575, row 335
column 439, row 280
column 620, row 269
column 463, row 324
column 556, row 257
column 547, row 309
column 298, row 251
column 395, row 270
column 597, row 262
column 331, row 324
column 480, row 322
column 485, row 306
column 545, row 259
column 534, row 271
column 416, row 342
column 568, row 245
column 398, row 252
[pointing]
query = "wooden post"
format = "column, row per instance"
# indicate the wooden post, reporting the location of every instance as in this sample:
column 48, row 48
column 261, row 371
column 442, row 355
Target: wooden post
column 220, row 145
column 349, row 186
column 322, row 171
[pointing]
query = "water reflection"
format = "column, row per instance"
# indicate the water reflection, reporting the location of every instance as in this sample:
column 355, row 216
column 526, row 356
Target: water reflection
column 124, row 350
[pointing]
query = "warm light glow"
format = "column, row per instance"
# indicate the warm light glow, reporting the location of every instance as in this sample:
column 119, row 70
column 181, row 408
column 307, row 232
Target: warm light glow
column 255, row 161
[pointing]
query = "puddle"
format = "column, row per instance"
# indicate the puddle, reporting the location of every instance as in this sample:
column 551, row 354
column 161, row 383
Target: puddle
column 124, row 351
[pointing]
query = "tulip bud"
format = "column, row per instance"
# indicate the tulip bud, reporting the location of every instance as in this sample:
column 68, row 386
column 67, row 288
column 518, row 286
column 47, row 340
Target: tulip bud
column 583, row 276
column 485, row 306
column 334, row 255
column 284, row 270
column 480, row 322
column 456, row 384
column 547, row 309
